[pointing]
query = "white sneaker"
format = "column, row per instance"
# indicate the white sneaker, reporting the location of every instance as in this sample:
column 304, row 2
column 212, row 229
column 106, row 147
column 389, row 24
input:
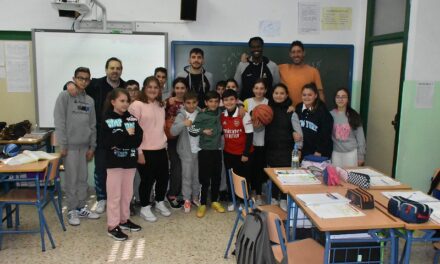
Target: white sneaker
column 84, row 212
column 147, row 214
column 283, row 205
column 100, row 206
column 162, row 208
column 72, row 218
column 231, row 207
column 274, row 201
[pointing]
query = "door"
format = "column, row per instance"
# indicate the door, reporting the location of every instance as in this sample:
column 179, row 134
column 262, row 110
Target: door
column 383, row 106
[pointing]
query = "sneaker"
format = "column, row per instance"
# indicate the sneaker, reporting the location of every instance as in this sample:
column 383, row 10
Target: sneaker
column 147, row 214
column 283, row 205
column 201, row 211
column 84, row 212
column 187, row 206
column 274, row 201
column 231, row 207
column 72, row 218
column 129, row 225
column 196, row 202
column 218, row 207
column 174, row 202
column 117, row 234
column 100, row 206
column 162, row 208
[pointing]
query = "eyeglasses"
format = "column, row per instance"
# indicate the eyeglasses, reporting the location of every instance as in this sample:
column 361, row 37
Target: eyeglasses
column 82, row 79
column 341, row 97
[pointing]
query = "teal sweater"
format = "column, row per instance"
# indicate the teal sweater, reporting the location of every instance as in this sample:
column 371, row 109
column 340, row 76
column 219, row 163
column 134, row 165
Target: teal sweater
column 208, row 120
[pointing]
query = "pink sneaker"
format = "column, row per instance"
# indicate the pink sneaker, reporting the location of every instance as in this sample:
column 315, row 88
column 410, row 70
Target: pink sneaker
column 187, row 206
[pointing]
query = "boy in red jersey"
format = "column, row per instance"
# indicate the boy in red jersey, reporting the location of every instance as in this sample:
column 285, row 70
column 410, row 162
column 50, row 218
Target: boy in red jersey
column 238, row 133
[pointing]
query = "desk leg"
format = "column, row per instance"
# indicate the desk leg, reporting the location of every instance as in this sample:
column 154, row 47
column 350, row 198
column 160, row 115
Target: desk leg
column 269, row 192
column 407, row 250
column 289, row 207
column 327, row 248
column 295, row 218
column 394, row 246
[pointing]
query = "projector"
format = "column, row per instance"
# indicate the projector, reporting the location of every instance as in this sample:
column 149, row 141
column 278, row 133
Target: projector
column 80, row 6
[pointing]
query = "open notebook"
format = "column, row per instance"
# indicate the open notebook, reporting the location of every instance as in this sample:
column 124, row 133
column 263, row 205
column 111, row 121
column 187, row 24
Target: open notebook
column 296, row 177
column 329, row 205
column 28, row 157
column 376, row 178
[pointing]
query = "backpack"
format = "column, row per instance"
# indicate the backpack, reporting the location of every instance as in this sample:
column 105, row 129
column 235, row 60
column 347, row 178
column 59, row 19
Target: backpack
column 252, row 245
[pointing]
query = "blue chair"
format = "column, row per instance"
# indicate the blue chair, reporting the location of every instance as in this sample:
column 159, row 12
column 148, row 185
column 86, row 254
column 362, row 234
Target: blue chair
column 39, row 196
column 239, row 191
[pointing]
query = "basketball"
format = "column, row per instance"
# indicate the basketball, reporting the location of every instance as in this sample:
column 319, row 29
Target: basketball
column 263, row 113
column 11, row 150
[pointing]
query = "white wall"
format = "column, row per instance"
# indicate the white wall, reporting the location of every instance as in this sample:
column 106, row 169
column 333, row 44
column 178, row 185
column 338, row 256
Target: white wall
column 226, row 20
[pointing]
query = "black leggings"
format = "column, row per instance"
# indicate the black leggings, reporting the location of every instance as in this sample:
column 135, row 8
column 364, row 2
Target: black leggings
column 257, row 169
column 240, row 168
column 210, row 171
column 155, row 169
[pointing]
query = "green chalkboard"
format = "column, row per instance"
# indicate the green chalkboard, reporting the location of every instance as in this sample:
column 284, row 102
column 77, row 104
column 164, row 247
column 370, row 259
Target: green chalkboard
column 334, row 62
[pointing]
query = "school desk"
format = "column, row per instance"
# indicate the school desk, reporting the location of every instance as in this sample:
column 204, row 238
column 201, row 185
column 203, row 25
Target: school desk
column 373, row 222
column 12, row 170
column 427, row 230
column 32, row 143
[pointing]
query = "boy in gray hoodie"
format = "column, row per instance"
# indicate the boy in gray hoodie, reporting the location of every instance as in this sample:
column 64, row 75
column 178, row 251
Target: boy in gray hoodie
column 75, row 130
column 187, row 148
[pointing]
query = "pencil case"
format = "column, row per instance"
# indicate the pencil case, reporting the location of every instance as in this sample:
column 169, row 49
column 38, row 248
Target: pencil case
column 360, row 198
column 359, row 179
column 408, row 210
column 330, row 176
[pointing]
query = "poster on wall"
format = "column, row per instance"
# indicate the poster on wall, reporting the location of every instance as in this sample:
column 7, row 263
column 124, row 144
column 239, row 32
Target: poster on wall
column 336, row 18
column 18, row 70
column 308, row 18
column 424, row 94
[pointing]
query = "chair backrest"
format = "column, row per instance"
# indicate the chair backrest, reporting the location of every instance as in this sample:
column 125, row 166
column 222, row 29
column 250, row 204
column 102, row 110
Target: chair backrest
column 52, row 171
column 238, row 183
column 274, row 235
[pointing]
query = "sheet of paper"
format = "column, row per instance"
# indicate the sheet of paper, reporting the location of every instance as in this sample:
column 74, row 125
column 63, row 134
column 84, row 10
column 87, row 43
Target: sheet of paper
column 383, row 181
column 18, row 72
column 326, row 211
column 417, row 196
column 298, row 179
column 308, row 17
column 336, row 18
column 270, row 28
column 322, row 198
column 424, row 94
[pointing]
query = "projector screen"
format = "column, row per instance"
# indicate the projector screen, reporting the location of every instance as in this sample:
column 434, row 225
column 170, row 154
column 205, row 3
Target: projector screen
column 58, row 53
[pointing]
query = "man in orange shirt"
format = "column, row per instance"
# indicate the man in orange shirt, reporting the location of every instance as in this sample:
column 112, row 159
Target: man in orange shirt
column 298, row 74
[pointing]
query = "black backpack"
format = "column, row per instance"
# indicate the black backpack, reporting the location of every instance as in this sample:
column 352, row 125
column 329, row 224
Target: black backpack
column 252, row 245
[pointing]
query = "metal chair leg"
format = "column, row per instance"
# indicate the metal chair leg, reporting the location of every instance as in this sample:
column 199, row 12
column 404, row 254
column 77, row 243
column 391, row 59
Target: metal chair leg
column 48, row 231
column 232, row 235
column 40, row 217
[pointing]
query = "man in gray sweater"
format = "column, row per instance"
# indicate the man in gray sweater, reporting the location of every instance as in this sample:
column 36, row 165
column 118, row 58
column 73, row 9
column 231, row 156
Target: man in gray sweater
column 75, row 130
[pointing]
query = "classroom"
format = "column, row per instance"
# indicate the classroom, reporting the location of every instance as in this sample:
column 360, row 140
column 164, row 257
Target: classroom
column 382, row 51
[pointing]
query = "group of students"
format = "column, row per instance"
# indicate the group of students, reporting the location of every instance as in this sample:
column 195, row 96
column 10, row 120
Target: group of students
column 180, row 146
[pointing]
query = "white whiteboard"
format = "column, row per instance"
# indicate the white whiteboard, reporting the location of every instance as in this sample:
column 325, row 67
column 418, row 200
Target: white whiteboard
column 58, row 53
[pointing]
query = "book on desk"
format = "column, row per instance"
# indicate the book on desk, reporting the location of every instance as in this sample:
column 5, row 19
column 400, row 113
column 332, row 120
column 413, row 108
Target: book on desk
column 329, row 205
column 296, row 177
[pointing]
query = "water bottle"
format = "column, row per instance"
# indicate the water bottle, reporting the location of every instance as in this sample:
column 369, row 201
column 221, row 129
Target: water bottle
column 295, row 157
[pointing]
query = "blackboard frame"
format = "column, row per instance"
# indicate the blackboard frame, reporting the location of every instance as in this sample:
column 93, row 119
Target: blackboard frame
column 348, row 50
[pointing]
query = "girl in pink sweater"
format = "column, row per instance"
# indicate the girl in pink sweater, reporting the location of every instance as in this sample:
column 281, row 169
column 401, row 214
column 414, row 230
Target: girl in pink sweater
column 153, row 159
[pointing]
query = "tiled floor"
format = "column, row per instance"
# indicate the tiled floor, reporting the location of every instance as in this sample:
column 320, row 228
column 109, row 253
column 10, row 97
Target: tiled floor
column 180, row 238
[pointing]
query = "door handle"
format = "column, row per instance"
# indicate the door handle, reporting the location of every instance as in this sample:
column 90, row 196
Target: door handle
column 395, row 122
